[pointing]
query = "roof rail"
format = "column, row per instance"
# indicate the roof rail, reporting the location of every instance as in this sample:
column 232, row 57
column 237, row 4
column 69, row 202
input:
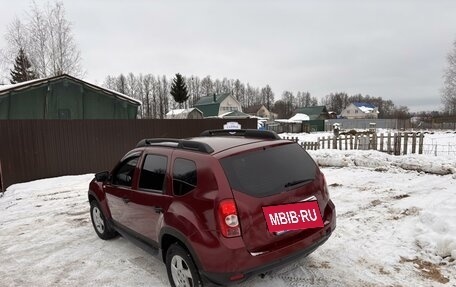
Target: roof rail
column 176, row 143
column 248, row 133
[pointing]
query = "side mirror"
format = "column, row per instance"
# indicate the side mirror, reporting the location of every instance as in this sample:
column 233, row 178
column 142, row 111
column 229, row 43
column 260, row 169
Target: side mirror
column 102, row 176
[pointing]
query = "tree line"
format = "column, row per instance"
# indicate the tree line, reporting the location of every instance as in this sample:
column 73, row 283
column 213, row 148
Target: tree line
column 154, row 91
column 156, row 95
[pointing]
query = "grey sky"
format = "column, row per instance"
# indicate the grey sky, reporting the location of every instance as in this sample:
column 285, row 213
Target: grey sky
column 393, row 49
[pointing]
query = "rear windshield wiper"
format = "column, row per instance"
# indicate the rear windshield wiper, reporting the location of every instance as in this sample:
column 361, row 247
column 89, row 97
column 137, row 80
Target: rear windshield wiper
column 296, row 182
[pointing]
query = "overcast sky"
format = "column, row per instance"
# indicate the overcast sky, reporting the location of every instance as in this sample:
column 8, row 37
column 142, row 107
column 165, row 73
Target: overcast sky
column 390, row 49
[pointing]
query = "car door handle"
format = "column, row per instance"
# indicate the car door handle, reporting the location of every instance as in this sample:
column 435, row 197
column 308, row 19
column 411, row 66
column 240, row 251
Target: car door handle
column 158, row 209
column 126, row 200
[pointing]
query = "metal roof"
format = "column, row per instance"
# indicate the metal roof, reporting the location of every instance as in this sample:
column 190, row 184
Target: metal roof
column 363, row 104
column 37, row 82
column 212, row 99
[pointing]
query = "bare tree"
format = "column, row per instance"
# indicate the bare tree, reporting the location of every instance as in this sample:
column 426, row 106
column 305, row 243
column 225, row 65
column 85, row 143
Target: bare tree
column 289, row 101
column 64, row 54
column 47, row 40
column 147, row 84
column 16, row 39
column 194, row 89
column 267, row 97
column 239, row 92
column 449, row 83
column 207, row 86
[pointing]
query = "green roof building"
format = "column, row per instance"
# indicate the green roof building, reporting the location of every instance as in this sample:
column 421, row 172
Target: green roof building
column 216, row 105
column 64, row 97
column 317, row 116
column 314, row 113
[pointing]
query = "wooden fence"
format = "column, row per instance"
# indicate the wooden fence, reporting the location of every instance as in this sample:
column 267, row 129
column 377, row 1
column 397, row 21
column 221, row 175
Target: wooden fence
column 392, row 143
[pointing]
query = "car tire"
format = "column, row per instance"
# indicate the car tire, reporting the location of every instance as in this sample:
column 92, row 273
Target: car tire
column 182, row 271
column 100, row 224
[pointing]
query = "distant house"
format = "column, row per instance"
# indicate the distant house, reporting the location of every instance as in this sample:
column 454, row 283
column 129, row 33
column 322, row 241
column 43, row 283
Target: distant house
column 314, row 113
column 297, row 123
column 64, row 97
column 317, row 116
column 192, row 113
column 359, row 110
column 260, row 111
column 216, row 105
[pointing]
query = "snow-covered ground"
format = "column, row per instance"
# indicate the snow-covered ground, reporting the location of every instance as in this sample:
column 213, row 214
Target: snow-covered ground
column 396, row 226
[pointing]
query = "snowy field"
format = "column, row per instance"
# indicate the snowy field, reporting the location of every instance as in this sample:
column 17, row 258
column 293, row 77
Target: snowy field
column 396, row 226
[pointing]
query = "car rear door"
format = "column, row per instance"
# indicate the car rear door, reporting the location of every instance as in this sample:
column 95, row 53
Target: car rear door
column 272, row 176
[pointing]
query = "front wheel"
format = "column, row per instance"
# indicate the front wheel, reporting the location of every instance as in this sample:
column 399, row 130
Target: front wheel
column 182, row 272
column 100, row 224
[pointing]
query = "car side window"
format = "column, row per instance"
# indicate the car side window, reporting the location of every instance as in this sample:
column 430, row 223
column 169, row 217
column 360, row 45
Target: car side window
column 153, row 172
column 124, row 174
column 184, row 176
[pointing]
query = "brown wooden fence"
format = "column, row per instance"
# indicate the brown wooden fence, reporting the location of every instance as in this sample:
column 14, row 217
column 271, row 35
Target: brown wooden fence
column 34, row 149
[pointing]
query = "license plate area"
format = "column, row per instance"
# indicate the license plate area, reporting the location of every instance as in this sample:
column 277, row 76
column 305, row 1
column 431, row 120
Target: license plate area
column 294, row 216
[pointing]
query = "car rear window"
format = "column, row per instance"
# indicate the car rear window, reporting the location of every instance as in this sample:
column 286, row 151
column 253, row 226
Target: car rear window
column 270, row 170
column 184, row 176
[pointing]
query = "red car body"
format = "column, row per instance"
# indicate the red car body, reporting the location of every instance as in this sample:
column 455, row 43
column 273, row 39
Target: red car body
column 222, row 228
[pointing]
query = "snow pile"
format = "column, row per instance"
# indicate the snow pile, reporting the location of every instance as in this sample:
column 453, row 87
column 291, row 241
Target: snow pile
column 381, row 161
column 435, row 231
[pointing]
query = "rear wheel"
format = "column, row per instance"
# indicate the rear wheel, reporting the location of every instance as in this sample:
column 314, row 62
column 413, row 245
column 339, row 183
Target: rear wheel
column 182, row 271
column 100, row 224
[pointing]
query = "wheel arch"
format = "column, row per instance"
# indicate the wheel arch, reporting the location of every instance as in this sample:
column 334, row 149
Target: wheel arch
column 169, row 236
column 98, row 195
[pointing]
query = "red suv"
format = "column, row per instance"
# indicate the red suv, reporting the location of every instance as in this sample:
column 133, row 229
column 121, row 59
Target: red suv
column 219, row 207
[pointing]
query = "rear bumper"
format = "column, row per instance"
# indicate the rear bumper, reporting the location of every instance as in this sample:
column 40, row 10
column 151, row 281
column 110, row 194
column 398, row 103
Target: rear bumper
column 247, row 265
column 226, row 279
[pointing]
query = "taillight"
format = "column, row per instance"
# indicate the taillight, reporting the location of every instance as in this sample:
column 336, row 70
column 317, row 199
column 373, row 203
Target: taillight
column 228, row 218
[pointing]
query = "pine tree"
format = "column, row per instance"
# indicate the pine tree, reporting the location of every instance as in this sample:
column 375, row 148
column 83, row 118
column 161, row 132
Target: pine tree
column 22, row 70
column 179, row 90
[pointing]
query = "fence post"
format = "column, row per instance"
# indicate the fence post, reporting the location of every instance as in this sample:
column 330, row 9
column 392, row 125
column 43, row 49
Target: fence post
column 420, row 148
column 389, row 143
column 374, row 141
column 397, row 143
column 405, row 143
column 381, row 141
column 414, row 143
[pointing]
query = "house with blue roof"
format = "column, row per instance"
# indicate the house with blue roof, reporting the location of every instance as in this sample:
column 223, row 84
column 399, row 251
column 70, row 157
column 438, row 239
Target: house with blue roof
column 360, row 110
